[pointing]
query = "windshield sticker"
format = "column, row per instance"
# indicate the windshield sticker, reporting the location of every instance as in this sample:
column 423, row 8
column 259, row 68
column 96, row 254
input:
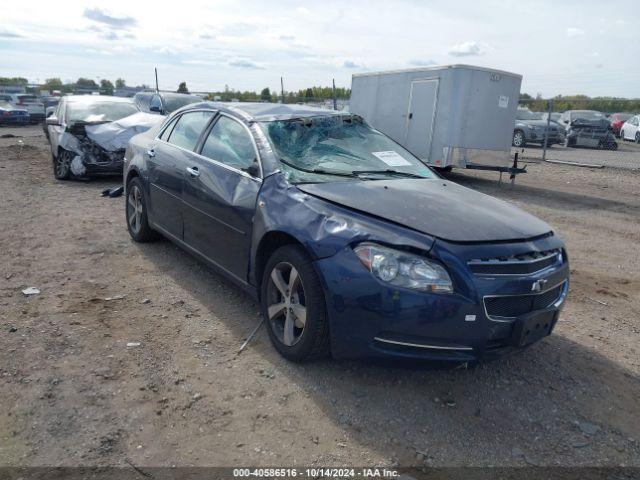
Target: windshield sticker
column 391, row 158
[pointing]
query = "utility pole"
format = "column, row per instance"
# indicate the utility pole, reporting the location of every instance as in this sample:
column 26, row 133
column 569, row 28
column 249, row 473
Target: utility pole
column 335, row 100
column 282, row 89
column 157, row 89
column 546, row 132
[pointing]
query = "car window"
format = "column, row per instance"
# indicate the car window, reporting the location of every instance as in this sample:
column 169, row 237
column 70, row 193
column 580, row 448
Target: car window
column 187, row 131
column 229, row 143
column 155, row 102
column 167, row 131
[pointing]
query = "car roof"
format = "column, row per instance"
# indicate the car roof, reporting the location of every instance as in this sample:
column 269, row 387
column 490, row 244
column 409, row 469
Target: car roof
column 96, row 99
column 264, row 112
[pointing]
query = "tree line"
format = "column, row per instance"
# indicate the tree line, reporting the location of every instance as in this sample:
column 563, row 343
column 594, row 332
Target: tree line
column 106, row 87
column 561, row 103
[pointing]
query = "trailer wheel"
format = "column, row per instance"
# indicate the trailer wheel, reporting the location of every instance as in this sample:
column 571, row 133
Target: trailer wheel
column 519, row 139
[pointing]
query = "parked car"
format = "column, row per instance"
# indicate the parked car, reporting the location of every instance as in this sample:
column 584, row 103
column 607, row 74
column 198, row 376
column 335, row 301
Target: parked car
column 163, row 103
column 617, row 121
column 631, row 129
column 352, row 245
column 570, row 115
column 529, row 127
column 590, row 133
column 10, row 115
column 70, row 128
column 29, row 102
column 555, row 116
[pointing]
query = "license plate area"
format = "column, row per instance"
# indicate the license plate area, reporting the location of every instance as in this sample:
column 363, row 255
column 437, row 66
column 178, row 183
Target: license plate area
column 532, row 329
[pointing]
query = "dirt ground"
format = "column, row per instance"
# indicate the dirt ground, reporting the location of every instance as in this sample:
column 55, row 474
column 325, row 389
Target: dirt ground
column 73, row 392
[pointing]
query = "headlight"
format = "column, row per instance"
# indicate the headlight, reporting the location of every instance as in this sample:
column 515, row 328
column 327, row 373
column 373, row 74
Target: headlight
column 404, row 269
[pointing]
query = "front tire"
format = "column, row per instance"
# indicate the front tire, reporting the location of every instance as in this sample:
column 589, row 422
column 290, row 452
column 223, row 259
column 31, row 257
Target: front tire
column 62, row 165
column 519, row 139
column 637, row 137
column 136, row 213
column 293, row 305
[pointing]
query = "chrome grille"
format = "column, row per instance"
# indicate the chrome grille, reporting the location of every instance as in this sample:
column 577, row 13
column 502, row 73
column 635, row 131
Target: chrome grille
column 522, row 264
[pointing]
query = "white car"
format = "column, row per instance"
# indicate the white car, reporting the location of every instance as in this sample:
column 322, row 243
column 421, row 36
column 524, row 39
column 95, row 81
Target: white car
column 32, row 103
column 630, row 130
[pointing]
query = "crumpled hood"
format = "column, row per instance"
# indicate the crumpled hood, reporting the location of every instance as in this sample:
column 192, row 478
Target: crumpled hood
column 436, row 207
column 115, row 135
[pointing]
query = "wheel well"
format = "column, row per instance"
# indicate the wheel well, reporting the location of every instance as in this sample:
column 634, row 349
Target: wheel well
column 131, row 175
column 269, row 244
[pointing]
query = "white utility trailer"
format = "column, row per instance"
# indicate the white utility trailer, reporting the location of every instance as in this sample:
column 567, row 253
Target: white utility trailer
column 449, row 116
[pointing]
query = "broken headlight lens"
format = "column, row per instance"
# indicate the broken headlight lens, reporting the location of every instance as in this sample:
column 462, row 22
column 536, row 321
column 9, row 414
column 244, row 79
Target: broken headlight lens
column 404, row 269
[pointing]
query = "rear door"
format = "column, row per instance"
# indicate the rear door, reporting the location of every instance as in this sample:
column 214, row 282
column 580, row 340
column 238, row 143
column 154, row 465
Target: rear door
column 423, row 100
column 168, row 157
column 220, row 196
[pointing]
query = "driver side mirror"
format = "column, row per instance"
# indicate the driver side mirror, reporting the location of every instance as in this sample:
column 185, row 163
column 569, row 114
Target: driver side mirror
column 254, row 169
column 52, row 120
column 155, row 108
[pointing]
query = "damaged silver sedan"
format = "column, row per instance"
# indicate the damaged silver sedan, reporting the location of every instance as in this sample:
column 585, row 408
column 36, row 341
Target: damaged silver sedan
column 88, row 134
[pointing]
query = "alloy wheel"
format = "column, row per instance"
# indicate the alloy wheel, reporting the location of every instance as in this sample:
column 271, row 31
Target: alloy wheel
column 286, row 303
column 134, row 209
column 63, row 164
column 518, row 139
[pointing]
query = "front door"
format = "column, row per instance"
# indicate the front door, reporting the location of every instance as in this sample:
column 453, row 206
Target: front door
column 420, row 116
column 220, row 196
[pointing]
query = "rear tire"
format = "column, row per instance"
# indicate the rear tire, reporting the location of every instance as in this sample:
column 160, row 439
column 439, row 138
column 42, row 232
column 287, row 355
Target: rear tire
column 293, row 305
column 136, row 213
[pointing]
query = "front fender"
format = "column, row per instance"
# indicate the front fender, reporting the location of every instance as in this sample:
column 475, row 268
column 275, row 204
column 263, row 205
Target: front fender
column 321, row 227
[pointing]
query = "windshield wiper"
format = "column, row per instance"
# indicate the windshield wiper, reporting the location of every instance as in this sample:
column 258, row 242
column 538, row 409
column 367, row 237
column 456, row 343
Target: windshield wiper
column 320, row 171
column 389, row 172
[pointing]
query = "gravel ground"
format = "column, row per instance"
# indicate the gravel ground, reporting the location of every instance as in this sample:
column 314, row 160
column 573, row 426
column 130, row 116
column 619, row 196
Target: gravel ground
column 129, row 353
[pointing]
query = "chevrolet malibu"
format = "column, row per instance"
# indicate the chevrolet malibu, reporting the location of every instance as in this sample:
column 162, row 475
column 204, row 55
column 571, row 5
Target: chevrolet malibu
column 352, row 246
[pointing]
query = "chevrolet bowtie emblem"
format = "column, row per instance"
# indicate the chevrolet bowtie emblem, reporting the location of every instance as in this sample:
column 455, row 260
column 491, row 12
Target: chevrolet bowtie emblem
column 538, row 285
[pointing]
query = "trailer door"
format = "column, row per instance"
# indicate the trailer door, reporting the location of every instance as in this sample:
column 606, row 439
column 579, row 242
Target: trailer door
column 423, row 100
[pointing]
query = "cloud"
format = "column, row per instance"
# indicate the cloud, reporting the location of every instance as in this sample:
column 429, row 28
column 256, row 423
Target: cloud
column 100, row 52
column 287, row 38
column 245, row 63
column 102, row 16
column 574, row 32
column 112, row 35
column 350, row 64
column 421, row 63
column 6, row 33
column 467, row 49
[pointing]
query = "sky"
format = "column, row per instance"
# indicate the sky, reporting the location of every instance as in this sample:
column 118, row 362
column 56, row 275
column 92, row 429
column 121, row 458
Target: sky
column 560, row 47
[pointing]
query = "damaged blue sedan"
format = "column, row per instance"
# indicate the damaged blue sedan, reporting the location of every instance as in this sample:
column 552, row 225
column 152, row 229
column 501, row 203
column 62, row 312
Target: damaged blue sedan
column 353, row 247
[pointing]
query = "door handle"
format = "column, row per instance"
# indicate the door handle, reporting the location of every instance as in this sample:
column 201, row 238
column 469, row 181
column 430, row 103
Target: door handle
column 410, row 116
column 151, row 152
column 193, row 171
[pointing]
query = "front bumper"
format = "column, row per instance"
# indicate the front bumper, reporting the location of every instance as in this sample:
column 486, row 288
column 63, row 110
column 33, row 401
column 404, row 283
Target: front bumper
column 538, row 136
column 14, row 119
column 369, row 319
